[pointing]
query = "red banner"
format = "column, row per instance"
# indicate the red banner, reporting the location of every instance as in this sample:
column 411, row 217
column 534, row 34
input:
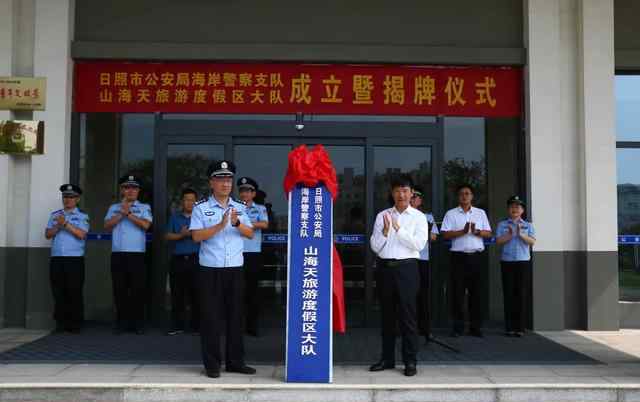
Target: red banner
column 291, row 88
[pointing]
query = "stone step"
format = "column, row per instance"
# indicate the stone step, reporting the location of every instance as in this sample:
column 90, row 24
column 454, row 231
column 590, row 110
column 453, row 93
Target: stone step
column 319, row 392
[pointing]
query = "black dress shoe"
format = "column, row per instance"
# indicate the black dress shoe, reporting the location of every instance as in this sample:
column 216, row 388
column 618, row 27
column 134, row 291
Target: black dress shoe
column 382, row 365
column 241, row 369
column 212, row 373
column 455, row 334
column 410, row 369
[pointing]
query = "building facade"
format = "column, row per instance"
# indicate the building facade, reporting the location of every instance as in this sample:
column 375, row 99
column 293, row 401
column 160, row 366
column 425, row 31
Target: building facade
column 559, row 152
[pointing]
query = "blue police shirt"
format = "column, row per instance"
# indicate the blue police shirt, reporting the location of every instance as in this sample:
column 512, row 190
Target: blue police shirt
column 126, row 236
column 257, row 213
column 515, row 249
column 184, row 246
column 64, row 243
column 224, row 249
column 424, row 253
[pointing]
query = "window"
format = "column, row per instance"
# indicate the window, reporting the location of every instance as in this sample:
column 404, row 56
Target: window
column 628, row 169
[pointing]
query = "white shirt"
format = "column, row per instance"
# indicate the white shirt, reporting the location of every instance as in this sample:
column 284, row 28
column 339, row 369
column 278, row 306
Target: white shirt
column 456, row 218
column 404, row 243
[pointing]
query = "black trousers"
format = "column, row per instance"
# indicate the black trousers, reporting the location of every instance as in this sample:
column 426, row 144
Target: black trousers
column 67, row 281
column 128, row 275
column 183, row 279
column 514, row 292
column 466, row 276
column 424, row 298
column 252, row 270
column 398, row 283
column 221, row 300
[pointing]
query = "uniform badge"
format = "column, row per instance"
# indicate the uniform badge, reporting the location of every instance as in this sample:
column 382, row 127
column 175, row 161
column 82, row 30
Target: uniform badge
column 244, row 180
column 69, row 188
column 224, row 165
column 209, row 213
column 131, row 178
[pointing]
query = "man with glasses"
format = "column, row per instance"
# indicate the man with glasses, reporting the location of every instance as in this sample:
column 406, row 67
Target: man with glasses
column 467, row 227
column 68, row 228
column 129, row 220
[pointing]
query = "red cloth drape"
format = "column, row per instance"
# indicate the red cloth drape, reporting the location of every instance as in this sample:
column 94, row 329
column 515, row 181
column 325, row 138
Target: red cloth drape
column 310, row 168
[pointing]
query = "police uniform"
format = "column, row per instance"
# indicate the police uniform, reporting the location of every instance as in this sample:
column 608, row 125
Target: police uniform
column 253, row 258
column 128, row 271
column 515, row 263
column 67, row 265
column 221, row 279
column 466, row 267
column 424, row 318
column 183, row 275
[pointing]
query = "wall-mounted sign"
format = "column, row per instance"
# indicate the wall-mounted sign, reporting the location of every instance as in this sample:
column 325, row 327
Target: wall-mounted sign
column 23, row 93
column 22, row 137
column 291, row 88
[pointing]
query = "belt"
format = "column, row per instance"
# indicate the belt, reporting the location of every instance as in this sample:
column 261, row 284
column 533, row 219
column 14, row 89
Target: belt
column 395, row 263
column 185, row 257
column 468, row 251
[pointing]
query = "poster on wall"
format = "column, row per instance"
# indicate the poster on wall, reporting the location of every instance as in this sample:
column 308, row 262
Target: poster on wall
column 21, row 137
column 22, row 93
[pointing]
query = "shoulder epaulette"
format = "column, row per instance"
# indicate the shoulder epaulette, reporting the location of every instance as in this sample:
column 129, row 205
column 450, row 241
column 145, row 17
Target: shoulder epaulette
column 55, row 212
column 239, row 201
column 200, row 201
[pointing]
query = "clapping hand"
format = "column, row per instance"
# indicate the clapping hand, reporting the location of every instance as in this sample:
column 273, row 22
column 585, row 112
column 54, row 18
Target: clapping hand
column 234, row 217
column 125, row 208
column 225, row 218
column 386, row 219
column 60, row 220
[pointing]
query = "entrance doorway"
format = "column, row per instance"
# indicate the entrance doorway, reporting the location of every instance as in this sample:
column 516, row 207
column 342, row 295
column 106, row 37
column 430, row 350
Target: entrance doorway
column 366, row 152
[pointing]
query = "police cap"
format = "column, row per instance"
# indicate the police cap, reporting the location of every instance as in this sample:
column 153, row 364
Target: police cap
column 70, row 190
column 514, row 199
column 247, row 183
column 221, row 169
column 129, row 180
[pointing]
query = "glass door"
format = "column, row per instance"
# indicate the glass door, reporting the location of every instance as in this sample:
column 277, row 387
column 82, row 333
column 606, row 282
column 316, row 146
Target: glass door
column 267, row 165
column 183, row 165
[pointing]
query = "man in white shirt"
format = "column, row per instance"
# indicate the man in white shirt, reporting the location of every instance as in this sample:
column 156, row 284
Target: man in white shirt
column 467, row 227
column 399, row 233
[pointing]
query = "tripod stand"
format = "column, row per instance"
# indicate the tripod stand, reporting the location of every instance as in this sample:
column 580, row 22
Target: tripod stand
column 427, row 309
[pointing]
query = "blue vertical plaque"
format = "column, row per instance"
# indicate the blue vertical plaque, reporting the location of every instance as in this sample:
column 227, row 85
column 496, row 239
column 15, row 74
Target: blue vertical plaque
column 309, row 344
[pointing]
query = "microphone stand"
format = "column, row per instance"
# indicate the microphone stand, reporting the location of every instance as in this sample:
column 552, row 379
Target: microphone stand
column 431, row 338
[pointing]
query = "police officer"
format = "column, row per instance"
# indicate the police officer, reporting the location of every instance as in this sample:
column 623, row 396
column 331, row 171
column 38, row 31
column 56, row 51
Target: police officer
column 128, row 220
column 517, row 236
column 68, row 228
column 184, row 266
column 399, row 233
column 466, row 226
column 424, row 308
column 247, row 190
column 220, row 225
